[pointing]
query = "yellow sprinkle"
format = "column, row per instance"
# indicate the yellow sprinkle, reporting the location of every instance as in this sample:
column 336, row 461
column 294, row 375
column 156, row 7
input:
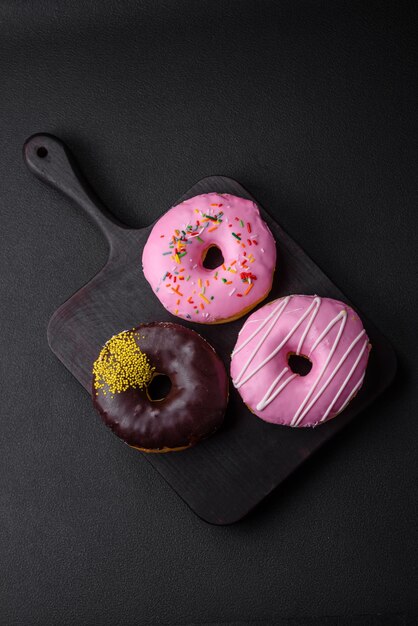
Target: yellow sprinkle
column 199, row 282
column 204, row 298
column 177, row 258
column 121, row 365
column 176, row 311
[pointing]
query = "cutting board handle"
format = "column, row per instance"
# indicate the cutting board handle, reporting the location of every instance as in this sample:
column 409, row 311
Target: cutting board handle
column 52, row 162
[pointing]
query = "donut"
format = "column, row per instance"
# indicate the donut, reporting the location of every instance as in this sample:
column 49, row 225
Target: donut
column 128, row 367
column 177, row 247
column 323, row 334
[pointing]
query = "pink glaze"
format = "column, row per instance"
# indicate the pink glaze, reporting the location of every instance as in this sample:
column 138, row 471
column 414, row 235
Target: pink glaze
column 327, row 331
column 173, row 255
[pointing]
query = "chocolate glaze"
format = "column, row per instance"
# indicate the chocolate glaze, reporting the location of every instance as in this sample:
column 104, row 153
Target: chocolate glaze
column 195, row 405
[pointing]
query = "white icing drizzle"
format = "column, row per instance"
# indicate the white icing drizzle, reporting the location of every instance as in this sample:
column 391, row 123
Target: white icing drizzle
column 326, row 330
column 342, row 315
column 337, row 368
column 276, row 350
column 270, row 394
column 275, row 388
column 353, row 393
column 308, row 325
column 345, row 383
column 281, row 305
column 275, row 315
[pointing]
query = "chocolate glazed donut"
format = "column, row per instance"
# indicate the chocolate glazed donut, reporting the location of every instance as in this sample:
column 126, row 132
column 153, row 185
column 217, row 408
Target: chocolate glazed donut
column 192, row 409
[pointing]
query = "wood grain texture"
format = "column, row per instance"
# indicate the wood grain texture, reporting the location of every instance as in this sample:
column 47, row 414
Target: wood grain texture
column 226, row 476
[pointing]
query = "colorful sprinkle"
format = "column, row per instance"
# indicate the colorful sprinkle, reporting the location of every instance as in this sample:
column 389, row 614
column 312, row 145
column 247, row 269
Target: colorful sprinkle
column 204, row 298
column 247, row 277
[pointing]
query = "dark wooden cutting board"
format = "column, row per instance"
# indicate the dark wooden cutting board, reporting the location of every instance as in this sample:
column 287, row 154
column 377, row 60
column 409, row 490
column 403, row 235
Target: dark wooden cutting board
column 226, row 476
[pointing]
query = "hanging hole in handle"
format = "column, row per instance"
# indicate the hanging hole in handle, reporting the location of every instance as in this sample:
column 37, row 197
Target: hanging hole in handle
column 42, row 152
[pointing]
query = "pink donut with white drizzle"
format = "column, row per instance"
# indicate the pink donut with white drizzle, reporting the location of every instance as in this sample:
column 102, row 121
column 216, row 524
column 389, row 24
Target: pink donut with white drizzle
column 177, row 246
column 326, row 332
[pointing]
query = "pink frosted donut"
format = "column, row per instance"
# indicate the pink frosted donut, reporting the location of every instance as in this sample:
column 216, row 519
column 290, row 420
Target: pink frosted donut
column 325, row 331
column 177, row 246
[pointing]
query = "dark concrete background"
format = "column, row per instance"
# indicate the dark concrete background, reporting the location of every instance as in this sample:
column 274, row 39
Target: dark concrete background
column 312, row 107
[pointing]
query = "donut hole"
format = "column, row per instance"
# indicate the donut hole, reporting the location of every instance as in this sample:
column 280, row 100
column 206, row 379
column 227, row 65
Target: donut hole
column 212, row 258
column 299, row 363
column 159, row 387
